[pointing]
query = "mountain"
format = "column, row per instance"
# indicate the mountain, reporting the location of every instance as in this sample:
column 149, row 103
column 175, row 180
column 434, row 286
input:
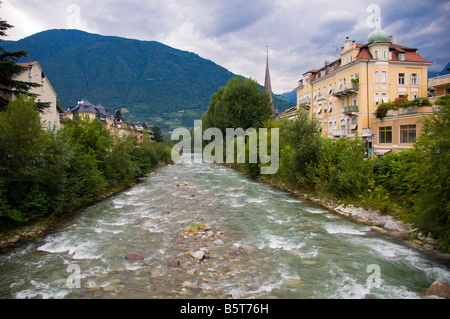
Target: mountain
column 291, row 96
column 147, row 80
column 445, row 71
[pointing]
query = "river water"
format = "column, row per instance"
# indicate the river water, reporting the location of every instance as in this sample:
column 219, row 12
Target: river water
column 260, row 243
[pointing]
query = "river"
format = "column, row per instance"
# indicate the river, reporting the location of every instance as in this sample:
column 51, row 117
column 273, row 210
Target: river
column 260, row 243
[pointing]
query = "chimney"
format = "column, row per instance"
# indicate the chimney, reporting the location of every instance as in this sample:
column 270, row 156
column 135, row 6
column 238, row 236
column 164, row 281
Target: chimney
column 391, row 39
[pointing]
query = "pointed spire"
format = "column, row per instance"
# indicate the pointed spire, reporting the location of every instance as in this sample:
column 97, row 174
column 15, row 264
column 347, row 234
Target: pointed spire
column 268, row 84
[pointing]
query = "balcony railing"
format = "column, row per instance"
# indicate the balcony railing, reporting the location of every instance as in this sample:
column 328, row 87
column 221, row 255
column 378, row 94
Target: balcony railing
column 367, row 132
column 348, row 89
column 351, row 109
column 339, row 132
column 306, row 101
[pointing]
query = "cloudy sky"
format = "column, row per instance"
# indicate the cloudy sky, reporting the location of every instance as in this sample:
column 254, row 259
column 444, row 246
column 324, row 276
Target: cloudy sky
column 301, row 34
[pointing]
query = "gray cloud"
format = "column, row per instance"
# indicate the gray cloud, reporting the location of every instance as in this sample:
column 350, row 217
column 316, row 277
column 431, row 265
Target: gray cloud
column 302, row 34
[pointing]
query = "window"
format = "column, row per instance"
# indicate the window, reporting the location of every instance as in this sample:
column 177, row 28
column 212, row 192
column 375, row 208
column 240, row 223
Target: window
column 415, row 79
column 377, row 98
column 383, row 76
column 375, row 54
column 401, row 78
column 377, row 77
column 407, row 133
column 384, row 54
column 401, row 56
column 386, row 134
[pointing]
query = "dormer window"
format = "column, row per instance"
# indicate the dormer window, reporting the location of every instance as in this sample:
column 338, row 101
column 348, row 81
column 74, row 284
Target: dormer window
column 401, row 56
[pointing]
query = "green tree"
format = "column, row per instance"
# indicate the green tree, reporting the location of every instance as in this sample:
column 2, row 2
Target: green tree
column 157, row 134
column 120, row 169
column 240, row 104
column 342, row 169
column 300, row 146
column 432, row 202
column 118, row 115
column 32, row 164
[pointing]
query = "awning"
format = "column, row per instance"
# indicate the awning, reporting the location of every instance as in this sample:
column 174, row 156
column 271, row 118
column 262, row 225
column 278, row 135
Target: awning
column 381, row 152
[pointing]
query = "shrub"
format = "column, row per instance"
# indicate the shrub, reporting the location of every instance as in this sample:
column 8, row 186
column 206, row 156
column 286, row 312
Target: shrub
column 342, row 169
column 383, row 108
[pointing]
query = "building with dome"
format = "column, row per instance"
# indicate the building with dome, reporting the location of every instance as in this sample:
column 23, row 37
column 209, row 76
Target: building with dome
column 344, row 94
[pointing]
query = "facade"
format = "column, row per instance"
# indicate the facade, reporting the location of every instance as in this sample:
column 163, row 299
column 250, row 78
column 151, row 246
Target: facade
column 50, row 118
column 88, row 111
column 345, row 93
column 399, row 129
column 439, row 86
column 118, row 129
column 289, row 114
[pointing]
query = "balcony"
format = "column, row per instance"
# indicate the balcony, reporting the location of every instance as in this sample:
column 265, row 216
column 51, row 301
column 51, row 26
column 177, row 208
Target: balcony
column 338, row 133
column 348, row 89
column 351, row 109
column 367, row 132
column 306, row 101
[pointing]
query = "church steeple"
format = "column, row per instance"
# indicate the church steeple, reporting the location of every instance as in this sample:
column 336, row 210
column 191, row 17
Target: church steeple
column 268, row 84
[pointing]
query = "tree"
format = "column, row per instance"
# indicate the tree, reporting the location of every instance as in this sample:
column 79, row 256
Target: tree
column 9, row 68
column 157, row 133
column 240, row 104
column 118, row 116
column 32, row 164
column 301, row 139
column 432, row 202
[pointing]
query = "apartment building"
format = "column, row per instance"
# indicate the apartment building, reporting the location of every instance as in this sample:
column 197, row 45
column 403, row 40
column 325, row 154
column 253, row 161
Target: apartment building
column 345, row 93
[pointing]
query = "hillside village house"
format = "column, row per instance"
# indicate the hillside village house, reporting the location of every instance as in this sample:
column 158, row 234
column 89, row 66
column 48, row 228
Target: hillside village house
column 50, row 118
column 86, row 110
column 345, row 93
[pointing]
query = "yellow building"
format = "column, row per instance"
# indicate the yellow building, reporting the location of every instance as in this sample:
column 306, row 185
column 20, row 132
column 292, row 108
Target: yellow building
column 50, row 118
column 345, row 93
column 399, row 129
column 439, row 86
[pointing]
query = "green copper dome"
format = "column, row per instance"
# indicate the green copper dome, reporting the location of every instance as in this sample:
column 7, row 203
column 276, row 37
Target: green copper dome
column 378, row 35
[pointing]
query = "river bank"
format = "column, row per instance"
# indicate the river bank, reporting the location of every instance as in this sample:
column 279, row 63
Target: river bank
column 41, row 227
column 379, row 222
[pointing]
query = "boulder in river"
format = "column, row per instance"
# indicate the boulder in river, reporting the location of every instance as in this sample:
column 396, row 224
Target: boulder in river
column 174, row 263
column 438, row 288
column 134, row 256
column 247, row 248
column 199, row 255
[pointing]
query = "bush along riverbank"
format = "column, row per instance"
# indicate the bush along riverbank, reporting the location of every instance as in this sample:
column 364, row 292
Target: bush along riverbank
column 405, row 194
column 45, row 176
